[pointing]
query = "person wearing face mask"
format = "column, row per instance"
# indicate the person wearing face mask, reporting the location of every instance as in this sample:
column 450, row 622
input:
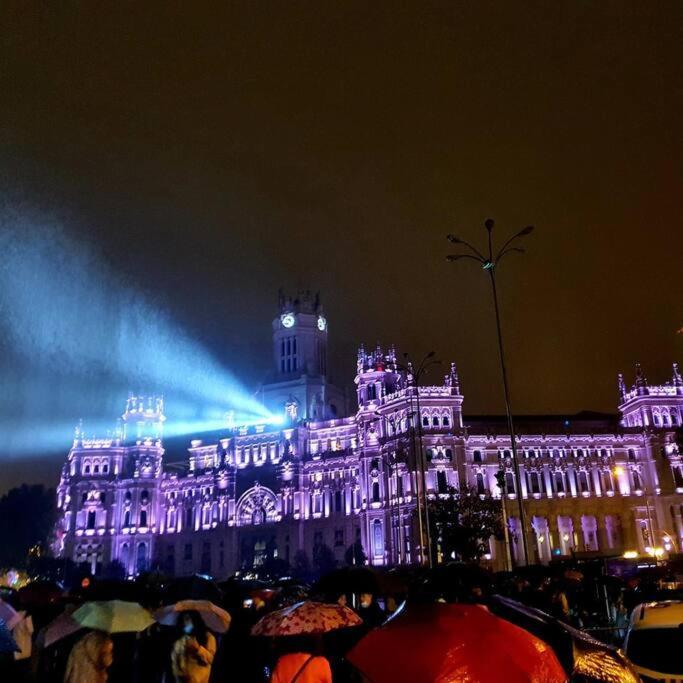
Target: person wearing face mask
column 370, row 612
column 193, row 652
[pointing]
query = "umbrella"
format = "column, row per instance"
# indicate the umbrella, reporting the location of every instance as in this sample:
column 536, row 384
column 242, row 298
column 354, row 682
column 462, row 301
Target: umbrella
column 214, row 617
column 113, row 616
column 7, row 643
column 9, row 615
column 306, row 618
column 61, row 627
column 440, row 643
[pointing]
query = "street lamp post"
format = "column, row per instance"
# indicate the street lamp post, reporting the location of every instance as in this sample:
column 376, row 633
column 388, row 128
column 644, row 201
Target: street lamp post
column 490, row 264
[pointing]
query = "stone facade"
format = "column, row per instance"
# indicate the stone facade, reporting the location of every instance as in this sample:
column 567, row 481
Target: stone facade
column 591, row 483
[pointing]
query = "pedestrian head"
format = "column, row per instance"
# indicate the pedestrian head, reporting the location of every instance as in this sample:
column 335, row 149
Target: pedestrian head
column 365, row 599
column 191, row 624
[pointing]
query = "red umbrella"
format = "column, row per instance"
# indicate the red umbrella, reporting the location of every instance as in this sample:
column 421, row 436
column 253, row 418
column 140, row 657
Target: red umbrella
column 445, row 643
column 306, row 618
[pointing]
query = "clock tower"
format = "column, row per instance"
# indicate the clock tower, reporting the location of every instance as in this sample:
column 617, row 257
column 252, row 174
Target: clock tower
column 299, row 385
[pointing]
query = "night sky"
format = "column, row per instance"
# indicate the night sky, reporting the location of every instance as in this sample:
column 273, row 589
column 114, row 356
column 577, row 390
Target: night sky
column 211, row 153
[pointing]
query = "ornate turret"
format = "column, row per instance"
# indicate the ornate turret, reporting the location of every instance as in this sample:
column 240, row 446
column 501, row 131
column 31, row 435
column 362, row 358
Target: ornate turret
column 621, row 387
column 677, row 380
column 377, row 374
column 452, row 379
column 641, row 382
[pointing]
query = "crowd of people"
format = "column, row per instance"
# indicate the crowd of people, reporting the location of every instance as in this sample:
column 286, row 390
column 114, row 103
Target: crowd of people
column 189, row 652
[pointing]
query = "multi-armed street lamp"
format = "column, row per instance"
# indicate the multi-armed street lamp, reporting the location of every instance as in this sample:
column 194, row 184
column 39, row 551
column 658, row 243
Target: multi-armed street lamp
column 490, row 264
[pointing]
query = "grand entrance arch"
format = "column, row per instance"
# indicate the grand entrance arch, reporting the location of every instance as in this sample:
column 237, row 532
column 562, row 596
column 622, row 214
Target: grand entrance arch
column 257, row 510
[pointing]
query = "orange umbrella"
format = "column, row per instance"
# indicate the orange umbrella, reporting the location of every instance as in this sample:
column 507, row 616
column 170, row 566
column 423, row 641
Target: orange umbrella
column 445, row 643
column 306, row 618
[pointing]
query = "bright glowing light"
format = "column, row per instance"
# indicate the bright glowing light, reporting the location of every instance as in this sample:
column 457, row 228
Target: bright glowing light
column 618, row 470
column 287, row 320
column 630, row 554
column 276, row 420
column 322, row 323
column 76, row 338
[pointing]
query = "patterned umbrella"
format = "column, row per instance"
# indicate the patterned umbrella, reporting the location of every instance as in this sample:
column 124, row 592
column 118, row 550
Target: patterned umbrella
column 306, row 618
column 214, row 617
column 442, row 643
column 7, row 643
column 113, row 616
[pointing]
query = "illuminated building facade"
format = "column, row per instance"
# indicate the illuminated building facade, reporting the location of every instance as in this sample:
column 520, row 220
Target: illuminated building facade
column 591, row 483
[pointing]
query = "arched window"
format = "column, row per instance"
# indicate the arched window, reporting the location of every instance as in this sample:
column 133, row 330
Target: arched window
column 584, row 482
column 534, row 482
column 558, row 478
column 103, row 498
column 372, row 392
column 338, row 501
column 143, row 518
column 445, row 421
column 441, row 481
column 188, row 518
column 631, row 455
column 96, row 469
column 476, row 456
column 656, row 419
column 123, row 556
column 375, row 492
column 435, row 421
column 509, row 482
column 91, row 519
column 425, row 421
column 449, row 454
column 378, row 539
column 141, row 560
column 607, row 483
column 126, row 518
column 105, row 468
column 86, row 469
column 637, row 481
column 481, row 487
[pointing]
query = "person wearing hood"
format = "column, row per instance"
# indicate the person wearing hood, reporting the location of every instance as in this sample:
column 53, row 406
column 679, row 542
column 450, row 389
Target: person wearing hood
column 193, row 652
column 90, row 659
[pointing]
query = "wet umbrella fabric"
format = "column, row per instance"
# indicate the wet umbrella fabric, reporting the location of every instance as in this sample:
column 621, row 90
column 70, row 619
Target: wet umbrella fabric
column 9, row 615
column 61, row 627
column 215, row 618
column 444, row 643
column 306, row 618
column 7, row 643
column 113, row 616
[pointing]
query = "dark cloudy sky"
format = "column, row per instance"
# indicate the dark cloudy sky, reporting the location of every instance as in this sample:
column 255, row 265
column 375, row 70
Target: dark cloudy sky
column 213, row 152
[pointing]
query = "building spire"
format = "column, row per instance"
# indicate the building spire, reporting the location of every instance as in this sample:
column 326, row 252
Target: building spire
column 622, row 387
column 641, row 381
column 677, row 380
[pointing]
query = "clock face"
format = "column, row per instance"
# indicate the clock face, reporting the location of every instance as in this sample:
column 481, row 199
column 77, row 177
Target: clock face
column 322, row 323
column 287, row 320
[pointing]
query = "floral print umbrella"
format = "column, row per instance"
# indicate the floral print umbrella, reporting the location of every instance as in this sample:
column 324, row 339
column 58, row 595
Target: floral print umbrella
column 306, row 618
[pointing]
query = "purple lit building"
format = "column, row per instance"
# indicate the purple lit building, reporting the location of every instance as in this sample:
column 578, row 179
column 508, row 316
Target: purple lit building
column 591, row 483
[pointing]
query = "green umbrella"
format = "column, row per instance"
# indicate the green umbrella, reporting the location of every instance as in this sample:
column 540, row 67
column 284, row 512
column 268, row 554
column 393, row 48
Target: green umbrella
column 113, row 616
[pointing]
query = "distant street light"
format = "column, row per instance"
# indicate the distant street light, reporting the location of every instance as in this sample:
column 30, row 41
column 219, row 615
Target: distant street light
column 490, row 264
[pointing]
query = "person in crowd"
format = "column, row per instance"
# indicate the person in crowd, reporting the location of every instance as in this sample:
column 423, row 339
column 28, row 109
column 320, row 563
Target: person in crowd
column 302, row 662
column 22, row 632
column 193, row 652
column 90, row 659
column 559, row 604
column 370, row 612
